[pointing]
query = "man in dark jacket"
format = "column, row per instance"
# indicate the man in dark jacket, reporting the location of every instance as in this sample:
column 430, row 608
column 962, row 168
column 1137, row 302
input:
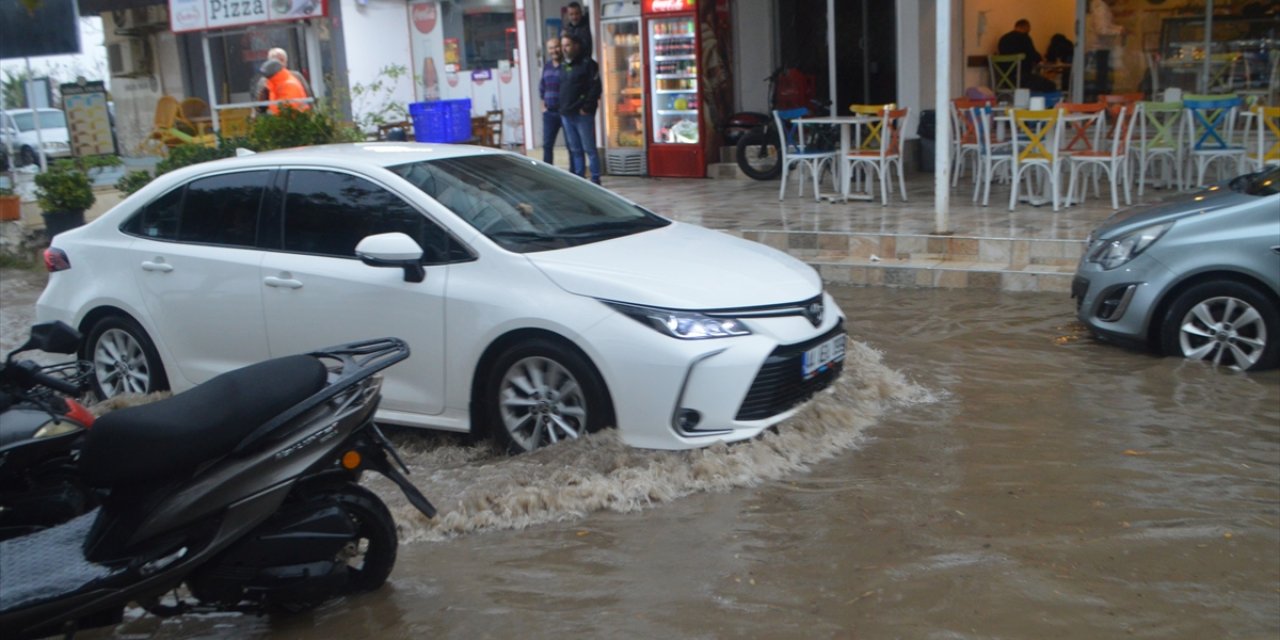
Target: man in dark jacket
column 549, row 91
column 1019, row 41
column 579, row 98
column 576, row 25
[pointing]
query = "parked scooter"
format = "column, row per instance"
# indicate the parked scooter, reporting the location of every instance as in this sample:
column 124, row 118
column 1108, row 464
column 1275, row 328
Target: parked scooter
column 244, row 489
column 41, row 427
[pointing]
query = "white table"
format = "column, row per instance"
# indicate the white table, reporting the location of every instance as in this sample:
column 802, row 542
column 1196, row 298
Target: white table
column 846, row 124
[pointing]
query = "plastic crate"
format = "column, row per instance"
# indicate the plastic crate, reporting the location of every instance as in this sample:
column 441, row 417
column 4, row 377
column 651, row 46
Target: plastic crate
column 441, row 120
column 624, row 162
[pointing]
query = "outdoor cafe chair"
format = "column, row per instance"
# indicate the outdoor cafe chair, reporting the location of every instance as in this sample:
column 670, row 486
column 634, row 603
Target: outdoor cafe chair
column 1263, row 146
column 1159, row 137
column 1114, row 161
column 890, row 139
column 1035, row 147
column 964, row 142
column 795, row 153
column 1209, row 123
column 993, row 155
column 1006, row 72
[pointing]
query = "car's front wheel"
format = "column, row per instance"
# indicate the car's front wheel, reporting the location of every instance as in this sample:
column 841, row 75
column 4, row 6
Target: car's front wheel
column 124, row 358
column 1227, row 323
column 27, row 156
column 540, row 392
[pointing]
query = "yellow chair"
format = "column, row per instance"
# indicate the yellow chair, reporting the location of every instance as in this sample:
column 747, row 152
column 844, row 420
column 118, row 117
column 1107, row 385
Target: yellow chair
column 166, row 132
column 1037, row 136
column 1263, row 148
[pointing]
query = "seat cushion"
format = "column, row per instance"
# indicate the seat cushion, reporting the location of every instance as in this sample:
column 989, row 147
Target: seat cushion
column 173, row 436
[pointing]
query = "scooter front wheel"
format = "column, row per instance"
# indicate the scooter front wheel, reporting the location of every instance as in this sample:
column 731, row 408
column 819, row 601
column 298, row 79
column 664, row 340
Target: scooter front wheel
column 759, row 156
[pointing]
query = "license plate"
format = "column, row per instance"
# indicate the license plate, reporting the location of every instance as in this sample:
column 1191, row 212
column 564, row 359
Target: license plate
column 817, row 359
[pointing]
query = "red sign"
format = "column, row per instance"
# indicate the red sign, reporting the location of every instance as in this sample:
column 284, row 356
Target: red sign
column 668, row 6
column 424, row 16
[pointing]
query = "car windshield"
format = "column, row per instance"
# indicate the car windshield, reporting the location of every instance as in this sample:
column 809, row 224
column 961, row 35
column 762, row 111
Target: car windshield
column 525, row 206
column 1264, row 183
column 49, row 119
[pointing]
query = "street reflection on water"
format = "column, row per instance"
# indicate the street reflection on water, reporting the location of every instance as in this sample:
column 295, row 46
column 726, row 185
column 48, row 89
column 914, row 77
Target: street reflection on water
column 985, row 469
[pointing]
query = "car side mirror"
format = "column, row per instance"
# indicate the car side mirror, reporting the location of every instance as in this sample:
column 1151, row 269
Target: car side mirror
column 395, row 250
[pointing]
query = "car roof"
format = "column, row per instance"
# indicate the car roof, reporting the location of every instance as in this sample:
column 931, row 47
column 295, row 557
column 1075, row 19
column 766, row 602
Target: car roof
column 379, row 154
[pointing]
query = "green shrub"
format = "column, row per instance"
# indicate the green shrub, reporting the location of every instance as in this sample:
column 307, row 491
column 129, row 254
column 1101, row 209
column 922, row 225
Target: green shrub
column 133, row 181
column 188, row 154
column 293, row 128
column 64, row 187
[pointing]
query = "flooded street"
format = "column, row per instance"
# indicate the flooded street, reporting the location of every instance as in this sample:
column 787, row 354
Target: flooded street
column 984, row 470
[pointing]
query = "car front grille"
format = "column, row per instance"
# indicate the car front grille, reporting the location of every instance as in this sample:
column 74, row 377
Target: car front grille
column 780, row 384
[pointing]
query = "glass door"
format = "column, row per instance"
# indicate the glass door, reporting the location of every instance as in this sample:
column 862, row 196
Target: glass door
column 622, row 71
column 673, row 54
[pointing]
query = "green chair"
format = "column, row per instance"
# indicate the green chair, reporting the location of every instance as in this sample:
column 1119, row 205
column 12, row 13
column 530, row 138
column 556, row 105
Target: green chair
column 1006, row 72
column 1159, row 138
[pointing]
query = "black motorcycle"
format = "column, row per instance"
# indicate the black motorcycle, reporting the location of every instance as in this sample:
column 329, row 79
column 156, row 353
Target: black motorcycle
column 244, row 489
column 41, row 427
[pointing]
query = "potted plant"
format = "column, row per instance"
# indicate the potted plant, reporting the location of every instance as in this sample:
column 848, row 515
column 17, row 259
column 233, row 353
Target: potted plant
column 10, row 205
column 63, row 192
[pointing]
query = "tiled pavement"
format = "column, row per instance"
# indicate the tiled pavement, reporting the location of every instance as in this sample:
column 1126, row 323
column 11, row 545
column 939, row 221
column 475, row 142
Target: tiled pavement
column 1027, row 249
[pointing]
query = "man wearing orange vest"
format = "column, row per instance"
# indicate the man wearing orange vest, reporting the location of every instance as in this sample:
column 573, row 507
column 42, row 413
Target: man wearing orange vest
column 281, row 83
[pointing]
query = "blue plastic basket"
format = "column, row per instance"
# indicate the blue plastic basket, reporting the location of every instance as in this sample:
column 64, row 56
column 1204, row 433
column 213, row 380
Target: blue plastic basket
column 441, row 120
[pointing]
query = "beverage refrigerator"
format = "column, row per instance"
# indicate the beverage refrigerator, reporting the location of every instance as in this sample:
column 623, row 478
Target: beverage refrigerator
column 622, row 73
column 674, row 128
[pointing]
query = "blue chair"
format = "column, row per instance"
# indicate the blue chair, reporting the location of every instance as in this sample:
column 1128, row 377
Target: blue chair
column 1210, row 128
column 794, row 152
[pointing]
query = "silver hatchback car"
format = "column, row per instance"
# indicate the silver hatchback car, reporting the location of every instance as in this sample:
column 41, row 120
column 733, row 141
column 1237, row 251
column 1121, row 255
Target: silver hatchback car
column 1196, row 276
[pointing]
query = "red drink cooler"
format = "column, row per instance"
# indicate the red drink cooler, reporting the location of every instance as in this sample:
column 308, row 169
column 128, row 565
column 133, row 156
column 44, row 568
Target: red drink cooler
column 672, row 89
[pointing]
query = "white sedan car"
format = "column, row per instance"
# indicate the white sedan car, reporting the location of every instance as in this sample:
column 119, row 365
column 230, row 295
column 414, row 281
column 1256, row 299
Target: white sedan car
column 538, row 306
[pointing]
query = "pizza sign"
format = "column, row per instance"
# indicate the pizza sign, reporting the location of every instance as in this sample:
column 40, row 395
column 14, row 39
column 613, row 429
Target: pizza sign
column 199, row 15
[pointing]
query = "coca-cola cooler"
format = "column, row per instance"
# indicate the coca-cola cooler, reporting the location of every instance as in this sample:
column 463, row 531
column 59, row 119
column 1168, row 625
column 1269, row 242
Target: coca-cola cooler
column 672, row 90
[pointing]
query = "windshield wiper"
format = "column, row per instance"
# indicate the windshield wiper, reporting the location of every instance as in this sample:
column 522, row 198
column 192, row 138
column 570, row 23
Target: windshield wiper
column 521, row 235
column 608, row 227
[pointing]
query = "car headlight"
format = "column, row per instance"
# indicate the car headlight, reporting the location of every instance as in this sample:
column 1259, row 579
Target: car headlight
column 1110, row 254
column 685, row 325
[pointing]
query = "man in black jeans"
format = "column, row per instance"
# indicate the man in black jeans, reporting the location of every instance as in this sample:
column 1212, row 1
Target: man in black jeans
column 1019, row 41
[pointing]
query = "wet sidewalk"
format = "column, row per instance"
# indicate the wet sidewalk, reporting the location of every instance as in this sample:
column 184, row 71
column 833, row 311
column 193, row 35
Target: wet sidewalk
column 858, row 242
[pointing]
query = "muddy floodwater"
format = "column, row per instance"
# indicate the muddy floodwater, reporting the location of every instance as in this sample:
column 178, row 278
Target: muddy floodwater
column 984, row 470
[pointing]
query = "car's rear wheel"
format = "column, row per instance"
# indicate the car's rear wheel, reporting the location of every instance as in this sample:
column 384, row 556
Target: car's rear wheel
column 1229, row 324
column 124, row 358
column 541, row 392
column 27, row 156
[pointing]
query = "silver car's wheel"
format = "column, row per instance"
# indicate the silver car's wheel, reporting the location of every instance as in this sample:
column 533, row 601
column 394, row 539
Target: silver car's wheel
column 124, row 360
column 1228, row 324
column 541, row 393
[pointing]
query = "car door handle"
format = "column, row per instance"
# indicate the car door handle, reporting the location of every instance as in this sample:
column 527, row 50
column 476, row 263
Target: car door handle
column 158, row 265
column 288, row 283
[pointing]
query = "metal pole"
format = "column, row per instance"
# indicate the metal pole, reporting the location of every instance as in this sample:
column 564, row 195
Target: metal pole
column 1208, row 46
column 35, row 119
column 942, row 120
column 208, row 78
column 831, row 54
column 1077, row 56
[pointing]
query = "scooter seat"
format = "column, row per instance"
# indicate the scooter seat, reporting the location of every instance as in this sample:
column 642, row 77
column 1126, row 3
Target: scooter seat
column 173, row 436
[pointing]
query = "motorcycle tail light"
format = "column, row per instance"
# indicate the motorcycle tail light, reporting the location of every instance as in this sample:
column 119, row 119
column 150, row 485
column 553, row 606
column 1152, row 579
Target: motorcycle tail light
column 55, row 259
column 351, row 460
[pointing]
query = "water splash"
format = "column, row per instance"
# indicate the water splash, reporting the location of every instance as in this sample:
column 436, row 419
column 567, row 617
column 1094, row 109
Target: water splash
column 477, row 489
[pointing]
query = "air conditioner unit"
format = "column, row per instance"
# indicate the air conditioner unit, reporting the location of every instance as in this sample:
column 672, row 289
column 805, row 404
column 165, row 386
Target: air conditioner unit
column 128, row 57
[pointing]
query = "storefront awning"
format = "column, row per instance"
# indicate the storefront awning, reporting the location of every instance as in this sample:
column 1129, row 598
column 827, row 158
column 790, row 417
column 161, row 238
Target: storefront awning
column 95, row 7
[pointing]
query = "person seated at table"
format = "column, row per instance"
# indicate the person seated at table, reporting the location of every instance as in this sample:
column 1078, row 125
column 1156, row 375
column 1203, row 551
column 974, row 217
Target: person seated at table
column 1019, row 41
column 1061, row 51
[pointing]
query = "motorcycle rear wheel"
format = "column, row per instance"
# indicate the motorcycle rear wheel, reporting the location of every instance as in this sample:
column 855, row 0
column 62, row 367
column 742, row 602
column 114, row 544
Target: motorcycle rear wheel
column 759, row 156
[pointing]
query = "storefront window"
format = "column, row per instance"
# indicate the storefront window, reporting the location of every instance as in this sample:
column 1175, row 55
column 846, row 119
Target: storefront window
column 478, row 34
